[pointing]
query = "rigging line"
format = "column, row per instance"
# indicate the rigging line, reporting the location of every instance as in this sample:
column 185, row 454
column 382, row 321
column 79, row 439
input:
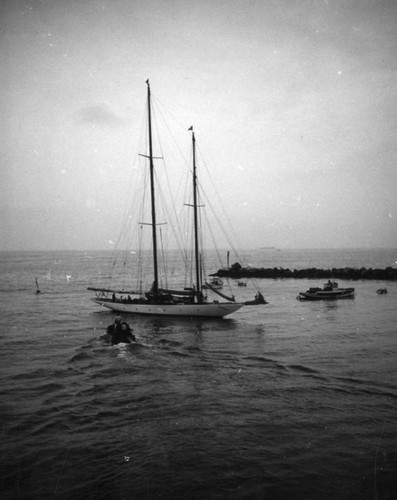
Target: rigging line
column 183, row 157
column 217, row 219
column 160, row 107
column 171, row 190
column 169, row 131
column 163, row 262
column 210, row 229
column 191, row 258
column 131, row 186
column 160, row 197
column 176, row 227
column 123, row 243
column 126, row 240
column 140, row 214
column 138, row 218
column 224, row 232
column 187, row 196
column 239, row 256
column 225, row 214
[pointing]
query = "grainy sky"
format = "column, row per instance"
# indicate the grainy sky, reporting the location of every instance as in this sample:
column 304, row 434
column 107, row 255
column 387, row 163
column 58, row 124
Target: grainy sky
column 294, row 102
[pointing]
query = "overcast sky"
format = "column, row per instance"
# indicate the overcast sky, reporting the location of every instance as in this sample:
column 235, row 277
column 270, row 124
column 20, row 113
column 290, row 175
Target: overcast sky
column 293, row 101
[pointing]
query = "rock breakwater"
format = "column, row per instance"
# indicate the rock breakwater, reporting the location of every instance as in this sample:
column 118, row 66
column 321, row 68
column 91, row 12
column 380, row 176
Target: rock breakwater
column 348, row 273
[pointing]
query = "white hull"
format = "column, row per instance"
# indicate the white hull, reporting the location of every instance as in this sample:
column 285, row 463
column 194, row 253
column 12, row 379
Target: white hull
column 349, row 294
column 212, row 309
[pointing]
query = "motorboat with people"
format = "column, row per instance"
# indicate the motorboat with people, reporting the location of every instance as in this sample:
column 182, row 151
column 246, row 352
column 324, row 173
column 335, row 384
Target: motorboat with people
column 119, row 332
column 330, row 291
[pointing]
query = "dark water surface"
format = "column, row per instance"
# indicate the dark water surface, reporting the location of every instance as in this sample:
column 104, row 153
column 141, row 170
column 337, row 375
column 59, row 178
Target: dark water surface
column 292, row 400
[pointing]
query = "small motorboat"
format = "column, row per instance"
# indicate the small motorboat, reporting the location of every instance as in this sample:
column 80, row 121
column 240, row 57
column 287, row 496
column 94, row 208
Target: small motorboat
column 242, row 283
column 381, row 291
column 330, row 290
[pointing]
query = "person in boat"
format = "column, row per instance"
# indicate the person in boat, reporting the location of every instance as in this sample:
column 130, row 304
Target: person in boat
column 110, row 330
column 260, row 298
column 119, row 332
column 329, row 286
column 124, row 335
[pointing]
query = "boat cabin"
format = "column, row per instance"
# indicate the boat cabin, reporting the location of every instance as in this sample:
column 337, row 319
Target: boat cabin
column 330, row 285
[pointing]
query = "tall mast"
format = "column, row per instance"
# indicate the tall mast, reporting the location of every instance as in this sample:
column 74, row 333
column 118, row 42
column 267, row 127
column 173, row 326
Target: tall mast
column 196, row 239
column 154, row 231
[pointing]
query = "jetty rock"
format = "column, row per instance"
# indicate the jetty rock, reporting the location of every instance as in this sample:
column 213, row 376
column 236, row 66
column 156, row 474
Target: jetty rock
column 348, row 273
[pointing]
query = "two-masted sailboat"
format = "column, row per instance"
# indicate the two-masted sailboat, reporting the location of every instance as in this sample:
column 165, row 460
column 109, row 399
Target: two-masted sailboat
column 189, row 301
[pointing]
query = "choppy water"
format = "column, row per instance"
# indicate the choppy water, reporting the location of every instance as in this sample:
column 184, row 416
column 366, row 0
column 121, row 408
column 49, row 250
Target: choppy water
column 291, row 400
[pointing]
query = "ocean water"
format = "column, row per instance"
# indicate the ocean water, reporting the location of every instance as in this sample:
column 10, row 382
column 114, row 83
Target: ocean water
column 291, row 400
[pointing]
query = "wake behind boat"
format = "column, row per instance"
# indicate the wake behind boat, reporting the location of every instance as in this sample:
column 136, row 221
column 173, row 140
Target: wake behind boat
column 157, row 299
column 330, row 290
